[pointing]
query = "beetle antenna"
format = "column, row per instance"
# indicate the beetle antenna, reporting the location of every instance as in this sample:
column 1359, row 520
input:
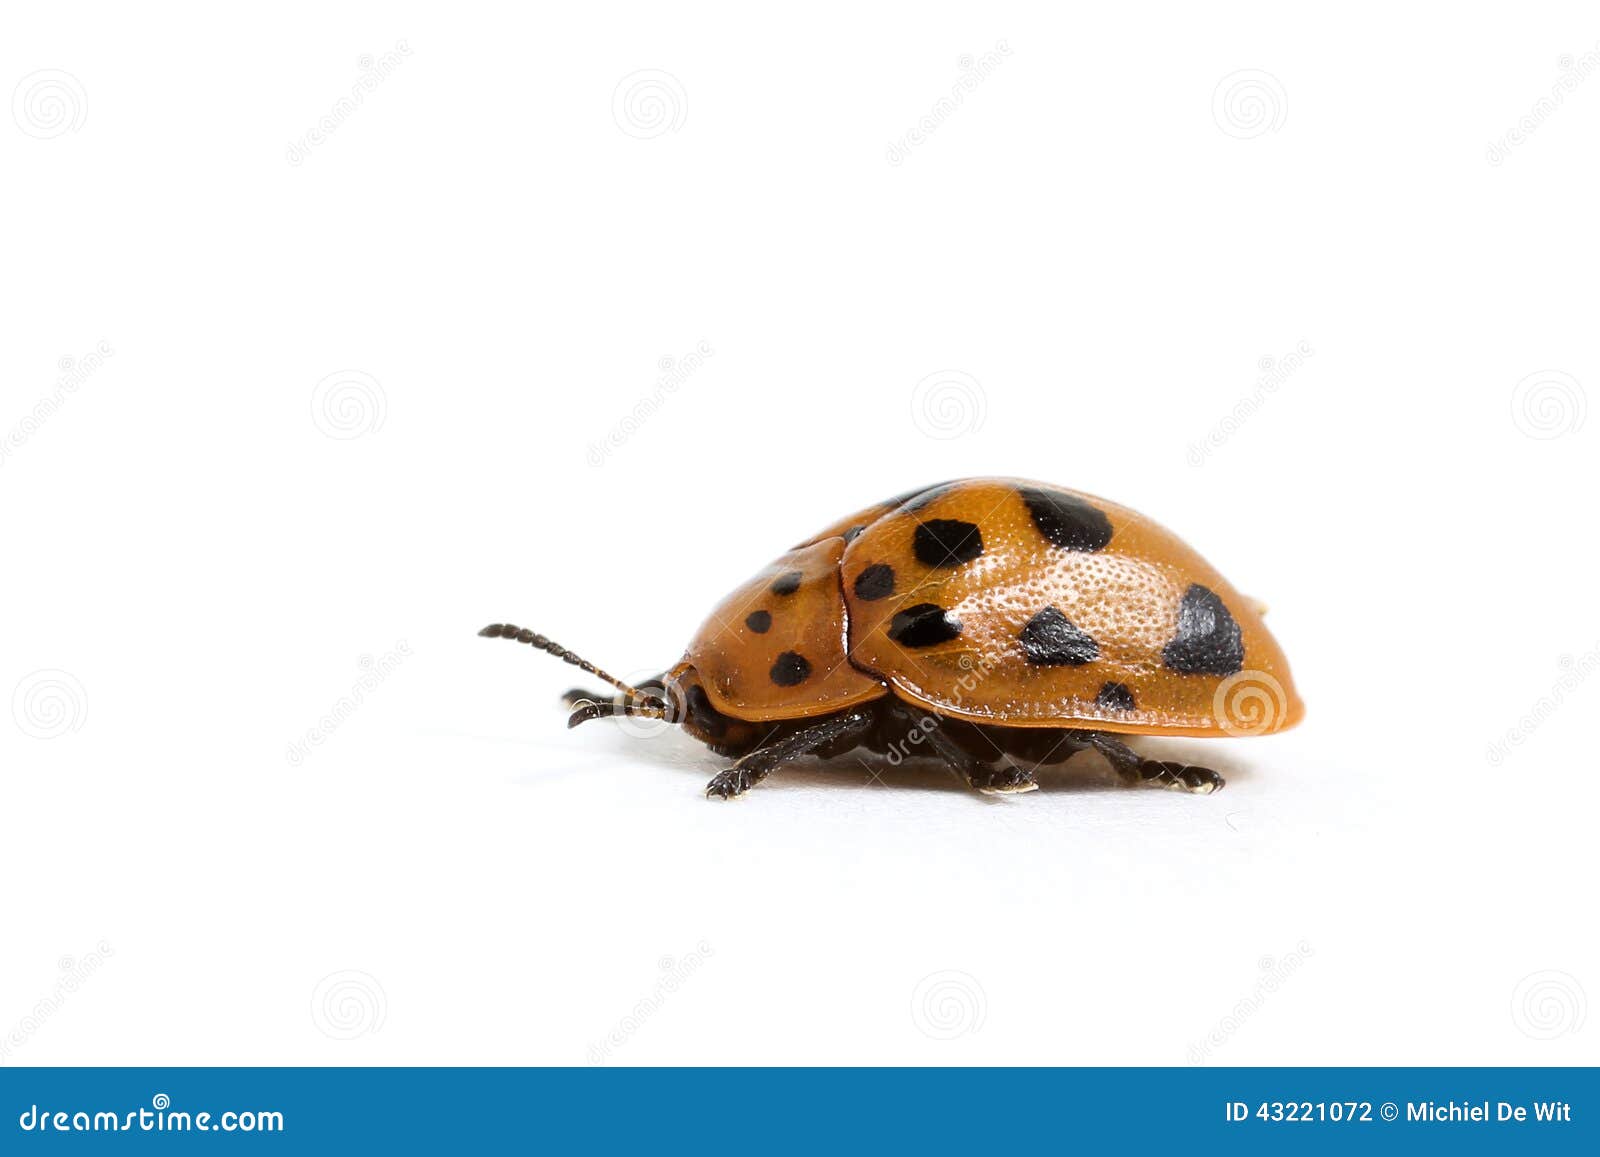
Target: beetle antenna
column 534, row 639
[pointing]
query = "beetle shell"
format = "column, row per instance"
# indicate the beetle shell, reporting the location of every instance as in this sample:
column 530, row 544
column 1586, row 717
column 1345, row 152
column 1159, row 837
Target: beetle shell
column 999, row 601
column 775, row 648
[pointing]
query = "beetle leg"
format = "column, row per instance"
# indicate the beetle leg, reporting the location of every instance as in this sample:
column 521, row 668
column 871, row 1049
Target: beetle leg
column 607, row 708
column 1135, row 770
column 1006, row 779
column 578, row 695
column 761, row 762
column 587, row 705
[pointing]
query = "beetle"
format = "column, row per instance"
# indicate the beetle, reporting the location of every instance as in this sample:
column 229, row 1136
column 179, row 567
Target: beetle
column 998, row 624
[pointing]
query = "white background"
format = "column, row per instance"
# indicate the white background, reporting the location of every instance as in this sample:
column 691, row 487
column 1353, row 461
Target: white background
column 360, row 402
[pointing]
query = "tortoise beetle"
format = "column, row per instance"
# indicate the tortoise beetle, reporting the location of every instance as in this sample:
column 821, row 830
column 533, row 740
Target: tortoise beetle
column 1004, row 624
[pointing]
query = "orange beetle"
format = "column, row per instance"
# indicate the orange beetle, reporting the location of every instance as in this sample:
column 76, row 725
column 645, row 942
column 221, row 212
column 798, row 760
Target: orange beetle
column 997, row 623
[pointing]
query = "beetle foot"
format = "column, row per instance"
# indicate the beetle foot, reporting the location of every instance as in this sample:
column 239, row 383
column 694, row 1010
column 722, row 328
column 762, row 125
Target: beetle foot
column 1007, row 780
column 1175, row 776
column 735, row 781
column 578, row 696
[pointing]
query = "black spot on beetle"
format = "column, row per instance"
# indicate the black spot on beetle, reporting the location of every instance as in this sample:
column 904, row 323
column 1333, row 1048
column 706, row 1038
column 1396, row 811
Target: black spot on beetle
column 924, row 625
column 1115, row 697
column 786, row 583
column 790, row 670
column 1208, row 641
column 1049, row 640
column 759, row 621
column 1066, row 520
column 946, row 542
column 876, row 582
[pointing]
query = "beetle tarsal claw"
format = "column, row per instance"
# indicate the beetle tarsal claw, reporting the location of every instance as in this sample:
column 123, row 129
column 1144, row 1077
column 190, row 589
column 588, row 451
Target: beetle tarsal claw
column 587, row 711
column 1019, row 789
column 1005, row 781
column 1203, row 781
column 729, row 784
column 1178, row 777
